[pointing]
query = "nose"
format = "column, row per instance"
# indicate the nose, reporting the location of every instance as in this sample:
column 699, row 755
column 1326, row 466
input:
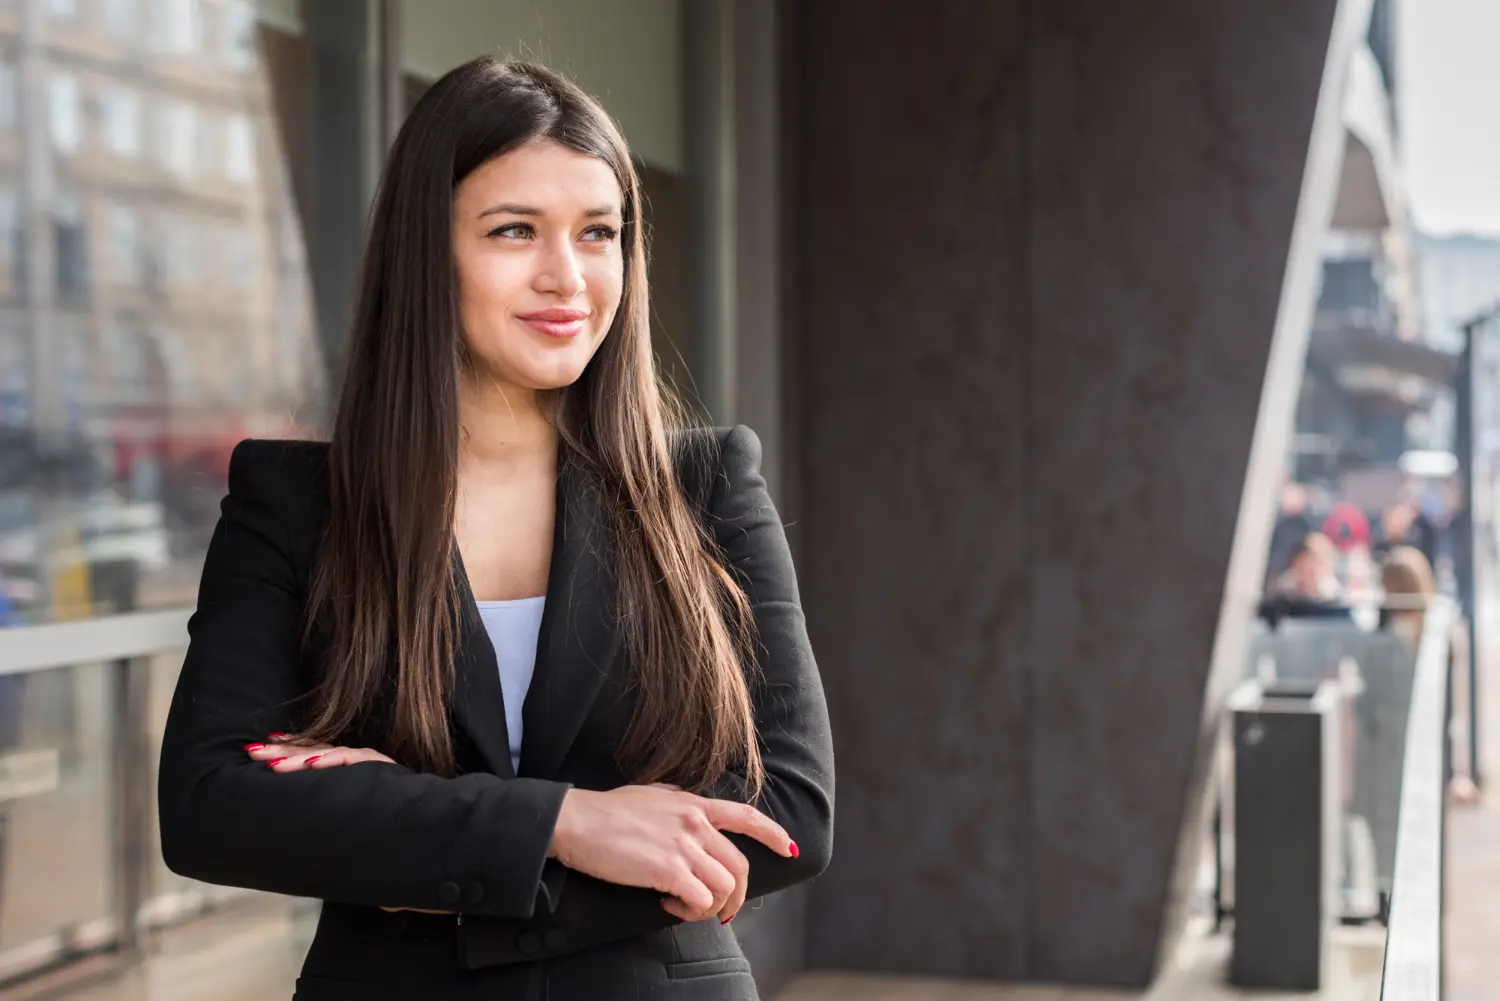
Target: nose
column 560, row 273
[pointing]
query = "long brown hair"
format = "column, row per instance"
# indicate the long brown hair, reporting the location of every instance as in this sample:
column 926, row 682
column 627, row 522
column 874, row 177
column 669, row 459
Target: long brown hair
column 385, row 596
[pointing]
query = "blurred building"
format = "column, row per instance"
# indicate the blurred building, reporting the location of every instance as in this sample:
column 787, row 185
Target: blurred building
column 1460, row 280
column 153, row 278
column 1379, row 378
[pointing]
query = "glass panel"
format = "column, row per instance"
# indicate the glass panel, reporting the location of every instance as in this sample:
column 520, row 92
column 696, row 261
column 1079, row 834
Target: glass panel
column 154, row 307
column 56, row 852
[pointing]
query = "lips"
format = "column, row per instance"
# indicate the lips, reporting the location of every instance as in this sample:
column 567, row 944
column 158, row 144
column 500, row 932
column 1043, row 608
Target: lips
column 556, row 322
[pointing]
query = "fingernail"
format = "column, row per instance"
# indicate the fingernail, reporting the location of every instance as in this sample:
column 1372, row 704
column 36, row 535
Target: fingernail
column 792, row 847
column 276, row 736
column 728, row 919
column 255, row 747
column 310, row 760
column 274, row 762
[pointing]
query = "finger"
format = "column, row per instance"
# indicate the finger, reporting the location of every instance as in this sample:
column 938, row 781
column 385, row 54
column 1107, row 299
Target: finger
column 270, row 752
column 683, row 884
column 716, row 876
column 676, row 908
column 414, row 910
column 292, row 763
column 742, row 818
column 665, row 785
column 340, row 756
column 733, row 860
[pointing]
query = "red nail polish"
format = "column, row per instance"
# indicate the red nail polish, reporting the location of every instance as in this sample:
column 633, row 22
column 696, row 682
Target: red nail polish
column 728, row 919
column 276, row 736
column 310, row 760
column 255, row 747
column 792, row 847
column 274, row 762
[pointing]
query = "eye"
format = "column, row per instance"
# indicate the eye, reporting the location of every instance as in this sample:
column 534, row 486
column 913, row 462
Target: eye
column 601, row 234
column 513, row 231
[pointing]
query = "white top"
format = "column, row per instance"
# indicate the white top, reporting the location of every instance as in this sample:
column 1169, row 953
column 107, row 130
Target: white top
column 513, row 627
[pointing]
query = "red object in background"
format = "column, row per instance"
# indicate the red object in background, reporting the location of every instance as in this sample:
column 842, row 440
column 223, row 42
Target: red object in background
column 1347, row 526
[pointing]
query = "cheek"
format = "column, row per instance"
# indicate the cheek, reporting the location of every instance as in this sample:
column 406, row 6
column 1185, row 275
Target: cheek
column 488, row 285
column 606, row 283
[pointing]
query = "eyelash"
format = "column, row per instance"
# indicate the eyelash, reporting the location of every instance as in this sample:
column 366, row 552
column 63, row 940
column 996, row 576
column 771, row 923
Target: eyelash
column 610, row 233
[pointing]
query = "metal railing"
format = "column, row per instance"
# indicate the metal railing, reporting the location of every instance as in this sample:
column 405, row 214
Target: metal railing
column 1414, row 936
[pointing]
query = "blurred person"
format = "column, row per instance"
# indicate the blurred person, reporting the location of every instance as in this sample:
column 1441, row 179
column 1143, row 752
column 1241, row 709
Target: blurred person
column 1404, row 524
column 1308, row 588
column 511, row 673
column 1293, row 524
column 1407, row 580
column 1347, row 527
column 1410, row 585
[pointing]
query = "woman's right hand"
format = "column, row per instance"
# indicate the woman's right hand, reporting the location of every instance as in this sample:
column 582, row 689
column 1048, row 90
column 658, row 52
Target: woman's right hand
column 661, row 838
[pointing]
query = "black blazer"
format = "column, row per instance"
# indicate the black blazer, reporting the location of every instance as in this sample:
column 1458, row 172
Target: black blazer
column 374, row 834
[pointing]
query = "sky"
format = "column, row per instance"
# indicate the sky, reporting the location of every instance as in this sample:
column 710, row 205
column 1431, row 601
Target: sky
column 1448, row 68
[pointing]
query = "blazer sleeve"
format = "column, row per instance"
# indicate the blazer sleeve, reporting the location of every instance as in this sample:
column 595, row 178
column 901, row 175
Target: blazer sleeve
column 791, row 713
column 373, row 833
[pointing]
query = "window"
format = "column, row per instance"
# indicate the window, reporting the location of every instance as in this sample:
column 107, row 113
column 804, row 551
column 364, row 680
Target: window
column 66, row 105
column 239, row 148
column 121, row 18
column 179, row 363
column 77, row 374
column 128, row 357
column 243, row 248
column 13, row 364
column 127, row 256
column 177, row 26
column 207, row 143
column 10, row 235
column 7, row 96
column 237, row 36
column 122, row 122
column 179, row 250
column 176, row 127
column 70, row 238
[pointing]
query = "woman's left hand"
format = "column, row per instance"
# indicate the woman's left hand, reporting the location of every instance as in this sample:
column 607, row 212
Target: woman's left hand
column 280, row 756
column 283, row 757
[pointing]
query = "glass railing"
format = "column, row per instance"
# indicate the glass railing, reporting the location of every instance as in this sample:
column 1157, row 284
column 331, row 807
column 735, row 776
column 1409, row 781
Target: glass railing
column 1336, row 758
column 1414, row 940
column 82, row 708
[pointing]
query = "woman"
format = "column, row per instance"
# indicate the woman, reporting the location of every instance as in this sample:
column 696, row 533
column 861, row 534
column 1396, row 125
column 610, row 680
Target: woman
column 499, row 672
column 1407, row 580
column 1410, row 585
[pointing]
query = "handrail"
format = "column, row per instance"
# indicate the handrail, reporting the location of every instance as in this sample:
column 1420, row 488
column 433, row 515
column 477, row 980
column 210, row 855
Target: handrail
column 1414, row 938
column 55, row 645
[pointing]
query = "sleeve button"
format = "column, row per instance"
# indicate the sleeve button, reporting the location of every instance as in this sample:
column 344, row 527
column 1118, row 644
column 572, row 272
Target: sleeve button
column 529, row 943
column 448, row 893
column 474, row 893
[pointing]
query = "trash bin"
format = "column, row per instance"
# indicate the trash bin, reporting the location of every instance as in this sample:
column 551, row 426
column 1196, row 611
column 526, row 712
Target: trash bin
column 1288, row 825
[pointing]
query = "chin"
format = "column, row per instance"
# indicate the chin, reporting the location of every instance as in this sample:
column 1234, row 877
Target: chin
column 553, row 376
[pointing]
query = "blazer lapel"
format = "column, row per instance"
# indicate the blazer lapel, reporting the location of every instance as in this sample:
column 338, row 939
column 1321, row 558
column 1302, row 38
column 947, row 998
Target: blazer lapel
column 580, row 634
column 478, row 700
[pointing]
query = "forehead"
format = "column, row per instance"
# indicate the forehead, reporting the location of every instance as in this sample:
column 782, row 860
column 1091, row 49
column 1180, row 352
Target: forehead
column 541, row 174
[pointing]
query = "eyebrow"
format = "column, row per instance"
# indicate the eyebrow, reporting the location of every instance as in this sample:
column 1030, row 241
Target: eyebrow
column 527, row 210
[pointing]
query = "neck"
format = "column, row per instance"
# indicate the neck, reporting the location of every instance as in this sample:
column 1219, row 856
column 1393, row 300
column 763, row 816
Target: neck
column 502, row 426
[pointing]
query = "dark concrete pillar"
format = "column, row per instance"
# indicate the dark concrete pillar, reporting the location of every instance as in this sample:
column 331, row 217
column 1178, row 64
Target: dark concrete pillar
column 1052, row 263
column 355, row 98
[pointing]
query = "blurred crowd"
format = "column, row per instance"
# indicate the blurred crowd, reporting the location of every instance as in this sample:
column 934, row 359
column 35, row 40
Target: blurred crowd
column 1331, row 559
